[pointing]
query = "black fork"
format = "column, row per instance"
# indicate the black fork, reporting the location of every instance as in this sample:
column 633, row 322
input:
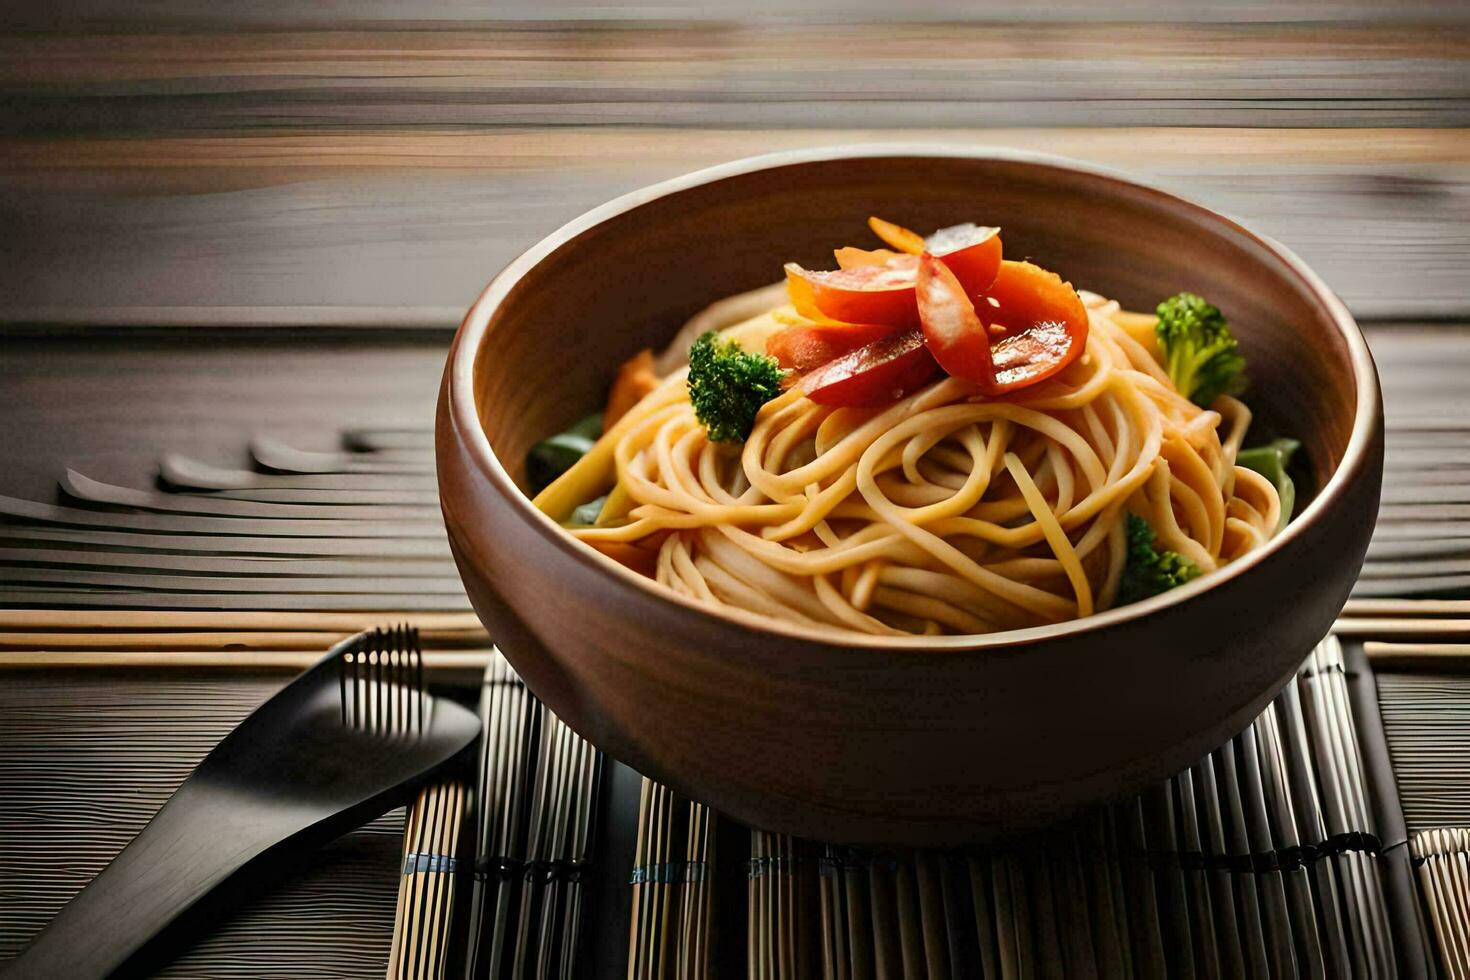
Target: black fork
column 347, row 740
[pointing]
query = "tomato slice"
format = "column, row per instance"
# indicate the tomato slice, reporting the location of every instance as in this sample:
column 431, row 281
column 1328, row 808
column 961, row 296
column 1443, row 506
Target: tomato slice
column 1044, row 320
column 851, row 258
column 955, row 335
column 874, row 374
column 805, row 346
column 863, row 294
column 971, row 251
column 897, row 236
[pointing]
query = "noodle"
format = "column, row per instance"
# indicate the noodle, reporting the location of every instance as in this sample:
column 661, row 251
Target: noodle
column 945, row 511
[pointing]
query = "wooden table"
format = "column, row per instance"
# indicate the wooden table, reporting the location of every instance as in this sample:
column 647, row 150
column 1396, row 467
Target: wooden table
column 219, row 219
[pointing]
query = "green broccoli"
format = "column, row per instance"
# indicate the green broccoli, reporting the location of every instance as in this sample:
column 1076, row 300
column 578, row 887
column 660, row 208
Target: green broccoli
column 728, row 386
column 1271, row 461
column 1149, row 571
column 1199, row 351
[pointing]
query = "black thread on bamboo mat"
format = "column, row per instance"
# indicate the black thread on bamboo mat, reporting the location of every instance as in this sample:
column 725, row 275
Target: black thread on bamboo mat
column 1262, row 862
column 440, row 863
column 508, row 869
column 842, row 859
column 670, row 873
column 771, row 863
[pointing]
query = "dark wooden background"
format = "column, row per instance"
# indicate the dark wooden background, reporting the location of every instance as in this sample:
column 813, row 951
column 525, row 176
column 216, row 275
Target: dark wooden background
column 221, row 218
column 373, row 163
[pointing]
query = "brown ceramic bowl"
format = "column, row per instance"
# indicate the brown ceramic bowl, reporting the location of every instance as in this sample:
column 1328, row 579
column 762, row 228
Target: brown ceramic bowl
column 863, row 739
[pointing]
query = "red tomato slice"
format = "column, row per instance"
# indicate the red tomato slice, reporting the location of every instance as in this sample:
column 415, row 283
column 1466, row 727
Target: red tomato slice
column 864, row 294
column 810, row 345
column 1045, row 321
column 971, row 252
column 875, row 374
column 954, row 333
column 851, row 258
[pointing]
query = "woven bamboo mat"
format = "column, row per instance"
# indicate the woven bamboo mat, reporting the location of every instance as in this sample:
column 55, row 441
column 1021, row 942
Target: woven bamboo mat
column 1272, row 856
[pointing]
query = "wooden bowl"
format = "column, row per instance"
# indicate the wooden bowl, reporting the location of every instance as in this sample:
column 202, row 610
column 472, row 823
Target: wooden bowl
column 867, row 739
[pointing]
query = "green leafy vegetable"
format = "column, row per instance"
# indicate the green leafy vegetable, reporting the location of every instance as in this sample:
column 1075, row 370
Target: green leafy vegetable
column 1200, row 353
column 586, row 515
column 1271, row 461
column 552, row 457
column 728, row 386
column 1149, row 571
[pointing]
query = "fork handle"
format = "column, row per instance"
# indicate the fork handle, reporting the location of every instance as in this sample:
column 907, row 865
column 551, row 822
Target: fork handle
column 198, row 840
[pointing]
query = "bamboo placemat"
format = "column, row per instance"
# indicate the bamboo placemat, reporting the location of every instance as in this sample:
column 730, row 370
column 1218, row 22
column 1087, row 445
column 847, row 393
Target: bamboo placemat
column 1270, row 856
column 1426, row 717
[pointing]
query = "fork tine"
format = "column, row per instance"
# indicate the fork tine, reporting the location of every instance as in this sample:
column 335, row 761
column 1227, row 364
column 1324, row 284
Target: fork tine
column 394, row 723
column 418, row 667
column 405, row 688
column 378, row 686
column 399, row 692
column 342, row 659
column 356, row 662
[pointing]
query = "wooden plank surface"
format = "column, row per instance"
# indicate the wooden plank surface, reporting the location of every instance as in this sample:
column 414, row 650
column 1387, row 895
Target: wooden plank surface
column 120, row 403
column 373, row 164
column 404, row 228
column 901, row 75
column 279, row 13
column 280, row 166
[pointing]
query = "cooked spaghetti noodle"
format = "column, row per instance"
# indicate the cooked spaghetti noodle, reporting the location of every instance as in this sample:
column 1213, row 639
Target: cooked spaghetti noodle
column 941, row 512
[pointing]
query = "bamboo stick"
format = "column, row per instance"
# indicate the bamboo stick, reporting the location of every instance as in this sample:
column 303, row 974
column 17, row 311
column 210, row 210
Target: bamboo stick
column 237, row 640
column 1401, row 627
column 1455, row 655
column 165, row 619
column 1356, row 608
column 291, row 660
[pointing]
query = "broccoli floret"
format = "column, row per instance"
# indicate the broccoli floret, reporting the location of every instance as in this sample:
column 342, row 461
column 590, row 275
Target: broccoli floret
column 728, row 386
column 1199, row 351
column 1148, row 570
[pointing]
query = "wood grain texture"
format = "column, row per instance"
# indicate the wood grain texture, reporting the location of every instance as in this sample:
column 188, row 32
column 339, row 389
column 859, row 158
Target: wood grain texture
column 900, row 75
column 284, row 13
column 405, row 227
column 202, row 398
column 373, row 164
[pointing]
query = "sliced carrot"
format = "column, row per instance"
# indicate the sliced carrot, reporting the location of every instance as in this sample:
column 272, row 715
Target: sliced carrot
column 642, row 560
column 851, row 258
column 636, row 378
column 897, row 236
column 802, row 294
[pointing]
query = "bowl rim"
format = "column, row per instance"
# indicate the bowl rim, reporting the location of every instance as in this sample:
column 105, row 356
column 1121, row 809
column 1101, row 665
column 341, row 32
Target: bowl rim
column 463, row 400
